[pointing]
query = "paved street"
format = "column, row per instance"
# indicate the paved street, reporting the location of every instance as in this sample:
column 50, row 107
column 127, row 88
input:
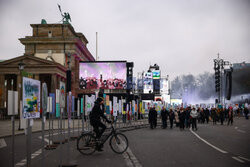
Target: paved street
column 182, row 148
column 218, row 145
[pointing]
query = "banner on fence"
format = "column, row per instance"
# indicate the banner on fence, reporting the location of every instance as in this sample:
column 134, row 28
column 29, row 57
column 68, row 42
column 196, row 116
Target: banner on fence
column 62, row 94
column 120, row 106
column 115, row 107
column 12, row 102
column 31, row 98
column 81, row 105
column 89, row 103
column 52, row 95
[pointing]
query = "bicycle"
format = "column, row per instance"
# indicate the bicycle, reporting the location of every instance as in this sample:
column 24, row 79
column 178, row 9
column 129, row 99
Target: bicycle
column 87, row 143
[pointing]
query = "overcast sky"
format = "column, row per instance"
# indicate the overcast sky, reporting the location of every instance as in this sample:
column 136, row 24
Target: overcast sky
column 181, row 36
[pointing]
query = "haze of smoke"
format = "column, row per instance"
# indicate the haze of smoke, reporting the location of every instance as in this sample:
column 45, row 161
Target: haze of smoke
column 201, row 89
column 242, row 98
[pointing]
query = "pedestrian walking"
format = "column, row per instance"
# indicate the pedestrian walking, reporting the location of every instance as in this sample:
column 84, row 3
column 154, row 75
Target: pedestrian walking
column 194, row 115
column 155, row 118
column 187, row 117
column 246, row 111
column 207, row 114
column 164, row 116
column 152, row 117
column 238, row 111
column 221, row 115
column 226, row 112
column 214, row 115
column 171, row 118
column 176, row 117
column 202, row 116
column 199, row 115
column 181, row 118
column 230, row 116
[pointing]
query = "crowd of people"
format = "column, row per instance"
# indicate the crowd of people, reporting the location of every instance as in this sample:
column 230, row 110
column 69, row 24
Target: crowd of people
column 95, row 83
column 189, row 116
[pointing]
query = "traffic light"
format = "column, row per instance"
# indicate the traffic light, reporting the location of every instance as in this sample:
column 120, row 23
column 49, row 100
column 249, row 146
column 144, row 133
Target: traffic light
column 217, row 78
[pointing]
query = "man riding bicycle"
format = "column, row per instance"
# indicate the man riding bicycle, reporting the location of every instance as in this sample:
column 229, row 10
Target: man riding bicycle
column 95, row 120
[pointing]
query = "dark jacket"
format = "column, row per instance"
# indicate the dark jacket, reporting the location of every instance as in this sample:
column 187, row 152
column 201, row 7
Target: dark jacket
column 206, row 111
column 181, row 116
column 171, row 115
column 97, row 113
column 187, row 114
column 164, row 114
column 152, row 115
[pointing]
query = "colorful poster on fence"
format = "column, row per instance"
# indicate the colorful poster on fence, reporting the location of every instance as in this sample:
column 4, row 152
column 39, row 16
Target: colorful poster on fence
column 31, row 98
column 53, row 102
column 49, row 104
column 69, row 105
column 133, row 107
column 78, row 107
column 57, row 96
column 62, row 94
column 107, row 100
column 123, row 108
column 140, row 106
column 110, row 107
column 107, row 110
column 136, row 107
column 81, row 105
column 115, row 108
column 73, row 104
column 120, row 106
column 57, row 110
column 12, row 102
column 44, row 98
column 89, row 103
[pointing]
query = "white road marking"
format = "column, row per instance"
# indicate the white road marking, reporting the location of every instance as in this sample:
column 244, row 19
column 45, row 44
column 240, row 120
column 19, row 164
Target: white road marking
column 23, row 162
column 218, row 149
column 35, row 154
column 129, row 157
column 237, row 159
column 242, row 131
column 133, row 158
column 127, row 160
column 40, row 137
column 2, row 143
column 20, row 164
column 246, row 159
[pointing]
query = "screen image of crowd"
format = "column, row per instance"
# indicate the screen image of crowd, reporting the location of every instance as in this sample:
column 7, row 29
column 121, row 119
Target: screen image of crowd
column 102, row 75
column 94, row 83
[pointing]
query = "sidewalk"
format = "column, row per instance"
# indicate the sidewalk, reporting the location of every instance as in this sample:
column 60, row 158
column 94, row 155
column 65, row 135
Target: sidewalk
column 6, row 125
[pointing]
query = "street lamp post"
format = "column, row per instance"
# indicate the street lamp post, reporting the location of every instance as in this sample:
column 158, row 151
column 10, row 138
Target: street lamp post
column 21, row 67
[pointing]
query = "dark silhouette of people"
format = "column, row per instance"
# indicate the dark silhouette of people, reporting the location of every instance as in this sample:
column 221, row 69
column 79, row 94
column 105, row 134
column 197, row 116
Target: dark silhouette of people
column 164, row 116
column 152, row 118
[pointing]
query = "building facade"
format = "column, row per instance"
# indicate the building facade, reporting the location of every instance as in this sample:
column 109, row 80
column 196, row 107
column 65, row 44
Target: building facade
column 49, row 53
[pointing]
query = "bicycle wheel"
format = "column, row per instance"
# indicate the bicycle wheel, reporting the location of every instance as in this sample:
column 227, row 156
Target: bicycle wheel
column 118, row 143
column 86, row 144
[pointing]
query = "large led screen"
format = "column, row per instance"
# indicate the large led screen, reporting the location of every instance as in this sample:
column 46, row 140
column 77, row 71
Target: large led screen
column 102, row 75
